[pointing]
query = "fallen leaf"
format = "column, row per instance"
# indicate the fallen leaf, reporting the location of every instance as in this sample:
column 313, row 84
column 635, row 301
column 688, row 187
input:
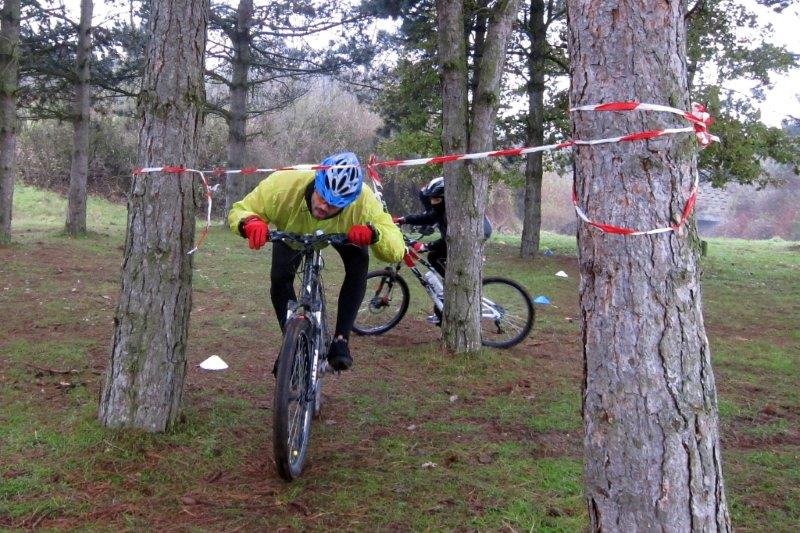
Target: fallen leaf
column 485, row 459
column 450, row 459
column 769, row 410
column 297, row 506
column 214, row 476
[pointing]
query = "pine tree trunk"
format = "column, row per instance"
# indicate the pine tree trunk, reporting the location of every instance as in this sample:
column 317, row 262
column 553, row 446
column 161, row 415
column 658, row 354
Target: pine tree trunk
column 532, row 216
column 9, row 67
column 653, row 458
column 76, row 203
column 466, row 193
column 236, row 184
column 459, row 324
column 144, row 380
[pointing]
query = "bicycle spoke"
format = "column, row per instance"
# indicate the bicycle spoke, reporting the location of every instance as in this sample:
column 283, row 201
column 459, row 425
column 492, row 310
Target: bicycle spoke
column 383, row 307
column 292, row 416
column 506, row 314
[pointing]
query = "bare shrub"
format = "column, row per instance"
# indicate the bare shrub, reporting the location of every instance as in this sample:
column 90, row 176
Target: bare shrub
column 558, row 215
column 324, row 121
column 763, row 214
column 45, row 148
column 43, row 158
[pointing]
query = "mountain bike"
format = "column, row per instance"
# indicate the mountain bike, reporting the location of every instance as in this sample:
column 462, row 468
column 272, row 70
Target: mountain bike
column 302, row 361
column 507, row 312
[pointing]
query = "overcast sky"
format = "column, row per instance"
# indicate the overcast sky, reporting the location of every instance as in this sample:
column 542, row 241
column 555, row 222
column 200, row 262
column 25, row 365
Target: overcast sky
column 782, row 100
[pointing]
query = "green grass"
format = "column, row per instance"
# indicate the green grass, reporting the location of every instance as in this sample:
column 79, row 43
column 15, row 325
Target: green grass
column 503, row 428
column 43, row 213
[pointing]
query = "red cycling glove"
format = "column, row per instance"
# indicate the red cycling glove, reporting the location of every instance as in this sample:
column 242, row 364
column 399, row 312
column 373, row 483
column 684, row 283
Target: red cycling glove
column 256, row 231
column 361, row 235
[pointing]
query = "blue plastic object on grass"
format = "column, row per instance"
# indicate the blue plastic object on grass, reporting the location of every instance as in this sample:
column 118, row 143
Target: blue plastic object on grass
column 544, row 300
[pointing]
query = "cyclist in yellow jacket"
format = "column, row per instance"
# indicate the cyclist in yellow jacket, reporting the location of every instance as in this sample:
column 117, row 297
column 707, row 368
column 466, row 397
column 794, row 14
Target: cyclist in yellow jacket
column 333, row 201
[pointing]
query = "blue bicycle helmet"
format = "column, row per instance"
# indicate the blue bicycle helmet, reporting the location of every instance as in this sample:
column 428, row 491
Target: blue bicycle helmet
column 340, row 186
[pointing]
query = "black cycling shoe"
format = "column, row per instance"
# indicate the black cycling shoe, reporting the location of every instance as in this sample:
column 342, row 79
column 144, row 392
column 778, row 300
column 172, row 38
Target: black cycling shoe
column 339, row 355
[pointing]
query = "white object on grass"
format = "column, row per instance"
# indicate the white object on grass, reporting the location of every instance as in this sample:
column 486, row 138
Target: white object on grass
column 214, row 362
column 561, row 274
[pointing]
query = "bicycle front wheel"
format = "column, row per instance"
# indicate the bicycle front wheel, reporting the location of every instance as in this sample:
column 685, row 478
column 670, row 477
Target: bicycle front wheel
column 507, row 313
column 294, row 399
column 385, row 303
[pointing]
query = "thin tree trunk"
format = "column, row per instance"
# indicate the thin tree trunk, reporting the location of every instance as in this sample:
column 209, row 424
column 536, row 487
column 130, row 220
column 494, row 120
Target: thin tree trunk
column 653, row 458
column 466, row 194
column 147, row 366
column 459, row 321
column 477, row 33
column 532, row 216
column 9, row 68
column 236, row 184
column 76, row 204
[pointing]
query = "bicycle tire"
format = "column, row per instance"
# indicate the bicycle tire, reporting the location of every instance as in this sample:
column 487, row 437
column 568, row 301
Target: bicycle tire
column 293, row 405
column 376, row 314
column 516, row 312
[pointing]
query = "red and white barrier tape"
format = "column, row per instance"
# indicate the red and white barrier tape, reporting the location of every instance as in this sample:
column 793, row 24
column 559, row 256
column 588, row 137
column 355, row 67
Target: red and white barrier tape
column 209, row 192
column 621, row 230
column 698, row 117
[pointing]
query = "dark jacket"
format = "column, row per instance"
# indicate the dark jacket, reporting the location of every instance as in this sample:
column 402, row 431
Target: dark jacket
column 436, row 215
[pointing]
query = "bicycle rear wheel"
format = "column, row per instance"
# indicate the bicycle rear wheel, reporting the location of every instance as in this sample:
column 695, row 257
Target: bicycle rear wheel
column 507, row 313
column 385, row 303
column 293, row 406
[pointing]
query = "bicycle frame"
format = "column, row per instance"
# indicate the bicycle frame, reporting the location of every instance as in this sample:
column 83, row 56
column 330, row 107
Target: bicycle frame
column 311, row 302
column 412, row 258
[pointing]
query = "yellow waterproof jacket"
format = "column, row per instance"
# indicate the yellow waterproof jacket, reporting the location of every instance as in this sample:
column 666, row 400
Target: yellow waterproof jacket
column 280, row 200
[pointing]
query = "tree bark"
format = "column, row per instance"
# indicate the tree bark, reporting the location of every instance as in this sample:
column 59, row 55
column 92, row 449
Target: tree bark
column 532, row 215
column 460, row 321
column 653, row 459
column 9, row 69
column 467, row 185
column 147, row 365
column 76, row 202
column 236, row 184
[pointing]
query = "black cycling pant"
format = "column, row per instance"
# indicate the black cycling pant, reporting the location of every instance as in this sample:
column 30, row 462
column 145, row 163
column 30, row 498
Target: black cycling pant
column 437, row 255
column 286, row 261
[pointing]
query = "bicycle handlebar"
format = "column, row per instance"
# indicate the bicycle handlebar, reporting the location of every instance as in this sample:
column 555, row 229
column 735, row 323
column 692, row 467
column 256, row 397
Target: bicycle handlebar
column 416, row 244
column 308, row 240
